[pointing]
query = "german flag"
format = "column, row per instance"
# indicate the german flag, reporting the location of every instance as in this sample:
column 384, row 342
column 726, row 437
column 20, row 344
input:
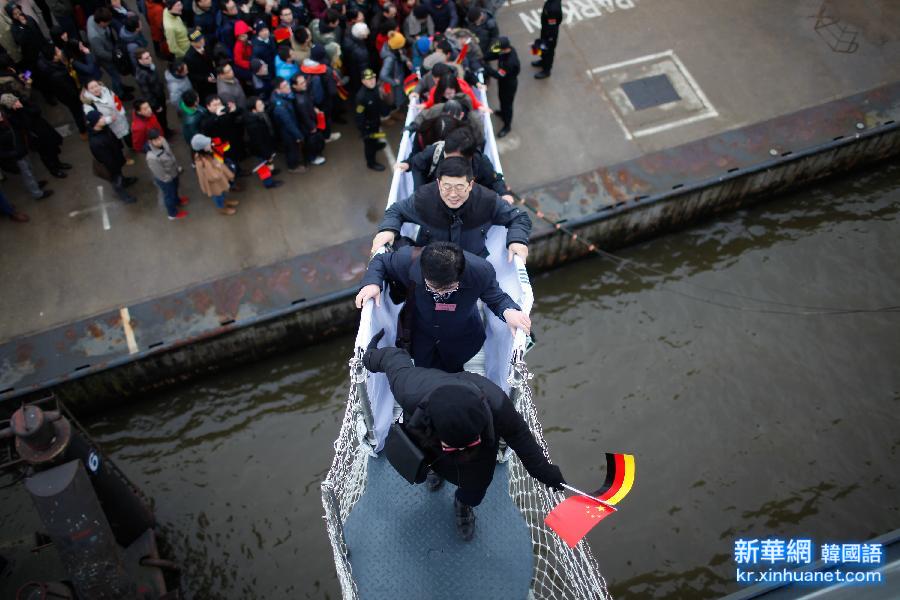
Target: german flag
column 572, row 518
column 619, row 478
column 410, row 83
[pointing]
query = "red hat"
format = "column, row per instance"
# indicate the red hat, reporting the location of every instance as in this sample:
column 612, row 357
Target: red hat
column 240, row 28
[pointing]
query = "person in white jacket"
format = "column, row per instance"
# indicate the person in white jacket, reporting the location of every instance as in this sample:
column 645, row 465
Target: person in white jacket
column 96, row 96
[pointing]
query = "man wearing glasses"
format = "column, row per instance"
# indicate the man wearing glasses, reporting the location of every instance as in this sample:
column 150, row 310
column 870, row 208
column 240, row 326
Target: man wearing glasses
column 443, row 286
column 455, row 209
column 457, row 419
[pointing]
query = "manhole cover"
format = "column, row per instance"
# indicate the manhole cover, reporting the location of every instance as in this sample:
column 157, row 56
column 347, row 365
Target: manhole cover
column 648, row 92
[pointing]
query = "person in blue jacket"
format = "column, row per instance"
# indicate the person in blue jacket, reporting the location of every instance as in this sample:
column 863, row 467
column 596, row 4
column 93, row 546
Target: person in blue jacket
column 286, row 123
column 456, row 209
column 443, row 285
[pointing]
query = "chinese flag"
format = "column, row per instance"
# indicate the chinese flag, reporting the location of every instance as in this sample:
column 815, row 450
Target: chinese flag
column 263, row 171
column 574, row 517
column 320, row 120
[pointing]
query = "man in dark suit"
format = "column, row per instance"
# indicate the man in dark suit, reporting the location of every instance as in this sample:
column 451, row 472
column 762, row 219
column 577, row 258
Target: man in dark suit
column 456, row 209
column 443, row 285
column 551, row 19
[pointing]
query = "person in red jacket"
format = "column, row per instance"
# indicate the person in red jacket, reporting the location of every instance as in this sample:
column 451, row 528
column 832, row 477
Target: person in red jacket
column 142, row 121
column 243, row 50
column 449, row 86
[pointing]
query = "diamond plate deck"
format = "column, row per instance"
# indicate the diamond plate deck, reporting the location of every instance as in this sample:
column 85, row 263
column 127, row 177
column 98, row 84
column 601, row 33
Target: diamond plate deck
column 403, row 544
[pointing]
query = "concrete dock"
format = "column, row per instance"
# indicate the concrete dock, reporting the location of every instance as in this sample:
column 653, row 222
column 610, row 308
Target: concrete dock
column 657, row 114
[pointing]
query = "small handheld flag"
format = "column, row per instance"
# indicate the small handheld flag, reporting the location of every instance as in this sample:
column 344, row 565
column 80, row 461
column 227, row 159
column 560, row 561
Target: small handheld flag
column 263, row 171
column 320, row 120
column 572, row 518
column 410, row 83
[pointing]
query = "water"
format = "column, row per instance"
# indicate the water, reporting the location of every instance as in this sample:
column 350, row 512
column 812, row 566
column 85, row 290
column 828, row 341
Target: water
column 742, row 423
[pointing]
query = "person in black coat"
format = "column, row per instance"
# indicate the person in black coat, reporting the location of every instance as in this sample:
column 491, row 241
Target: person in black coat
column 507, row 76
column 370, row 108
column 261, row 141
column 286, row 123
column 227, row 124
column 304, row 108
column 53, row 66
column 201, row 69
column 458, row 420
column 456, row 209
column 107, row 150
column 551, row 19
column 27, row 34
column 38, row 133
column 423, row 165
column 152, row 88
column 443, row 285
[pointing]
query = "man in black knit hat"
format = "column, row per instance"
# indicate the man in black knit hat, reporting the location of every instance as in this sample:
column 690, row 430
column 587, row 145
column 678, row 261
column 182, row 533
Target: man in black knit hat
column 457, row 419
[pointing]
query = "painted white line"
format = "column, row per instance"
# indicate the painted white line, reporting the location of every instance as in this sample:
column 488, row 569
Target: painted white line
column 129, row 332
column 651, row 130
column 694, row 85
column 389, row 152
column 633, row 61
column 104, row 214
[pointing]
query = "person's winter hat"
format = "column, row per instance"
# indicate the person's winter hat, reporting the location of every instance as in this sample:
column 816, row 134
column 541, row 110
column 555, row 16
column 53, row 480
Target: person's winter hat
column 259, row 25
column 255, row 64
column 92, row 118
column 153, row 134
column 368, row 74
column 171, row 3
column 200, row 142
column 503, row 42
column 318, row 54
column 396, row 41
column 195, row 34
column 359, row 30
column 420, row 11
column 241, row 28
column 423, row 45
column 458, row 414
column 8, row 100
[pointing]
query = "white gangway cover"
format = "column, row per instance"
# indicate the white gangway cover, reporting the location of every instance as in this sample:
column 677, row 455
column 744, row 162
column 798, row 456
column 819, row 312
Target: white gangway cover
column 500, row 343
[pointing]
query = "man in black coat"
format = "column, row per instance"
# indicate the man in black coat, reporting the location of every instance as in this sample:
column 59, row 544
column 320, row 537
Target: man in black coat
column 227, row 124
column 261, row 140
column 456, row 209
column 507, row 76
column 423, row 165
column 38, row 133
column 551, row 19
column 199, row 61
column 152, row 87
column 443, row 286
column 53, row 66
column 458, row 420
column 304, row 108
column 107, row 150
column 370, row 108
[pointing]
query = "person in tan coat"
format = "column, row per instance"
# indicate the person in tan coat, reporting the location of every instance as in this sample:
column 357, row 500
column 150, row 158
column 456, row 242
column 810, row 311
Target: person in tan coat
column 213, row 174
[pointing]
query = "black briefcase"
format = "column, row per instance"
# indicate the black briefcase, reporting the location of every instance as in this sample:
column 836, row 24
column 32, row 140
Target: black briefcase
column 405, row 455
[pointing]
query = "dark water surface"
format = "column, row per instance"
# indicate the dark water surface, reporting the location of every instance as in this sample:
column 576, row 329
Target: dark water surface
column 743, row 423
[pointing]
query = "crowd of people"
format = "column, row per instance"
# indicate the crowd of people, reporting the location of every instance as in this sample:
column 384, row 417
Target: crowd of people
column 248, row 79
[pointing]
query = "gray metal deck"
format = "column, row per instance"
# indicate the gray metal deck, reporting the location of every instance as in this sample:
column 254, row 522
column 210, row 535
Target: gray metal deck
column 402, row 542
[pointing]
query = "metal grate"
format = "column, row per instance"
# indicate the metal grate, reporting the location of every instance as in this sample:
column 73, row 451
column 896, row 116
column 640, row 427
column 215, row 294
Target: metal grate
column 650, row 91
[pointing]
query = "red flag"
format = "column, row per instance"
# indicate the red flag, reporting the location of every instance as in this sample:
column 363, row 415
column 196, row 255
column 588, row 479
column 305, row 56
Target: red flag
column 320, row 120
column 263, row 171
column 574, row 517
column 462, row 54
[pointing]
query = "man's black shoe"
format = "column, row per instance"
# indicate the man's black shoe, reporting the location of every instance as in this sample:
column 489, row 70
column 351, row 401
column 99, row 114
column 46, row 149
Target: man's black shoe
column 503, row 132
column 542, row 75
column 128, row 181
column 376, row 166
column 433, row 481
column 465, row 520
